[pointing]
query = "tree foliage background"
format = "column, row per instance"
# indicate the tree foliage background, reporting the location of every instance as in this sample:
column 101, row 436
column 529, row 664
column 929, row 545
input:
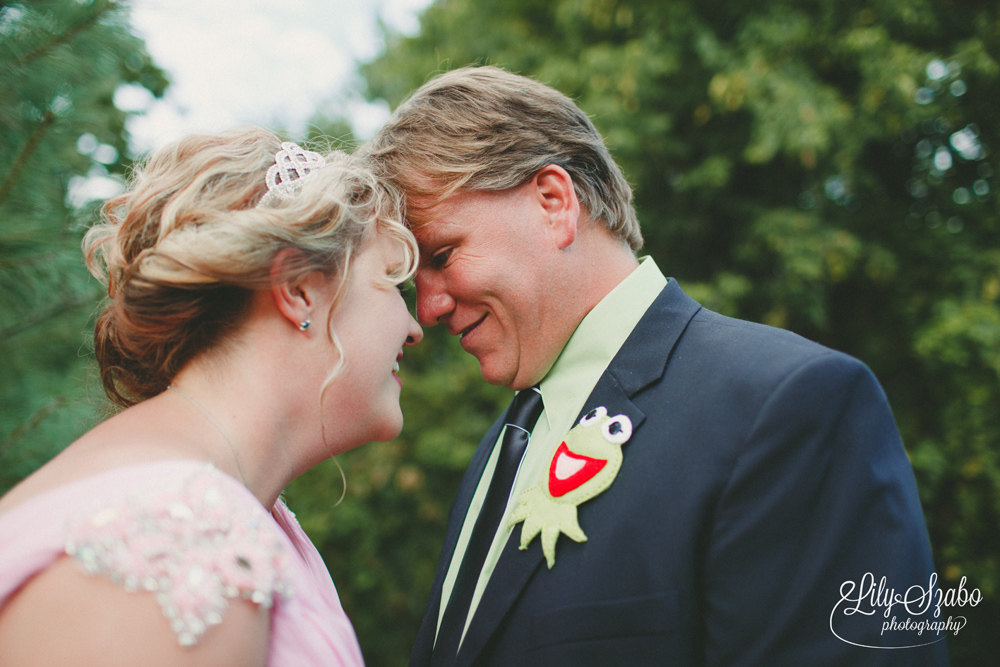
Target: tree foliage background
column 821, row 165
column 60, row 64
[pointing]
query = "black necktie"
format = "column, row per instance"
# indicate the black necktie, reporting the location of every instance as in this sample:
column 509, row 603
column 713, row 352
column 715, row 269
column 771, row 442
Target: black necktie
column 520, row 420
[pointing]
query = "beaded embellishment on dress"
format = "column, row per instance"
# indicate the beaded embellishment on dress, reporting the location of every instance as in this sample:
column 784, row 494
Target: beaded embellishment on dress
column 191, row 544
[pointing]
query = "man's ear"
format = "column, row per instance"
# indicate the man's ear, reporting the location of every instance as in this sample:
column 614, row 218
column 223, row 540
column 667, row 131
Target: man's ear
column 556, row 195
column 296, row 298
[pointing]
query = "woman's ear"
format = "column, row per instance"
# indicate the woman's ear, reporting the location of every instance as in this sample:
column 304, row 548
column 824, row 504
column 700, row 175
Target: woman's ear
column 298, row 298
column 557, row 197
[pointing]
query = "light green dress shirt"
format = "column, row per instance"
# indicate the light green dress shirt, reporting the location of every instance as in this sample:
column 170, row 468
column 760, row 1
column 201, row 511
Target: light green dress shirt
column 565, row 388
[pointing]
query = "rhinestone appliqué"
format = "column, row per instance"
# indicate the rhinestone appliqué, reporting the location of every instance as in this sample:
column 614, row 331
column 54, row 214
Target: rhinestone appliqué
column 192, row 544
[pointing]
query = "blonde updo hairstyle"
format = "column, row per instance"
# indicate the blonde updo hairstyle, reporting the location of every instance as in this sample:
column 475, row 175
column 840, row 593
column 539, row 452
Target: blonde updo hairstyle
column 183, row 249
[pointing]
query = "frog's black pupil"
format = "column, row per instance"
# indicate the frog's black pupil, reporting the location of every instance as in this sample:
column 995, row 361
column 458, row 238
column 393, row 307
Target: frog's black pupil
column 615, row 428
column 590, row 415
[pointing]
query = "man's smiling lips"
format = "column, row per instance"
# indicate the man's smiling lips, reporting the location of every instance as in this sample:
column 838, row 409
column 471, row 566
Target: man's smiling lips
column 464, row 332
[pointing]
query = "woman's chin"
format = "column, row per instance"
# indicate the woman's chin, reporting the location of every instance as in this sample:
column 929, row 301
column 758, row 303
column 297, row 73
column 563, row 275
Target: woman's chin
column 386, row 430
column 392, row 429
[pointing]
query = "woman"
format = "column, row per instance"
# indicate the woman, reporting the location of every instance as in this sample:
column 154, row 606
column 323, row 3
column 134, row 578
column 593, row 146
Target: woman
column 254, row 329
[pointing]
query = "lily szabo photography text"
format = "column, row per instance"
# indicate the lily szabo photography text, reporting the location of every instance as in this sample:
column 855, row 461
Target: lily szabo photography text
column 917, row 616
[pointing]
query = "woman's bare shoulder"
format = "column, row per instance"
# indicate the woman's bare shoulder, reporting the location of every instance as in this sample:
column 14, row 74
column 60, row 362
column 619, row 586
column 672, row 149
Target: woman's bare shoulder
column 128, row 438
column 63, row 616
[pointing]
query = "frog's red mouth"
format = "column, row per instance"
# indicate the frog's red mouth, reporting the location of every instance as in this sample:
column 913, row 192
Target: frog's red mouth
column 569, row 471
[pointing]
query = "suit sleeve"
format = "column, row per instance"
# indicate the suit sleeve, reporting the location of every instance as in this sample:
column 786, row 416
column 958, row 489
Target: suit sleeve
column 821, row 493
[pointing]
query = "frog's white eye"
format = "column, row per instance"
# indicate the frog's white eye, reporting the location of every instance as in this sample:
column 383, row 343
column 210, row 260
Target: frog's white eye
column 618, row 429
column 593, row 416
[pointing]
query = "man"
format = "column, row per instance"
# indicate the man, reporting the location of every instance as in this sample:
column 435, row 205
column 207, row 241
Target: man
column 696, row 490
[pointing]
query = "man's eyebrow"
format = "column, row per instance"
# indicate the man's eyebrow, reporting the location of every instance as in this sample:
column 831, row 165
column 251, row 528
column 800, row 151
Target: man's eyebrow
column 428, row 237
column 426, row 241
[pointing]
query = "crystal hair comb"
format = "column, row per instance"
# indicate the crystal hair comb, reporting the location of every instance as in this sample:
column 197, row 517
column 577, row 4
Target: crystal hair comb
column 292, row 165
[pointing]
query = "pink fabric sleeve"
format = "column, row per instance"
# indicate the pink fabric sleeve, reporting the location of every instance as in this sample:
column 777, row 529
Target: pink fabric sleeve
column 196, row 542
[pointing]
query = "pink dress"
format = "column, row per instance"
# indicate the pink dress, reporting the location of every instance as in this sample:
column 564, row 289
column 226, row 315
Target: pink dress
column 194, row 537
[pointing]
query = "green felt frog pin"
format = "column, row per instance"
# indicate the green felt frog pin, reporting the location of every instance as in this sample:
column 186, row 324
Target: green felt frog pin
column 584, row 464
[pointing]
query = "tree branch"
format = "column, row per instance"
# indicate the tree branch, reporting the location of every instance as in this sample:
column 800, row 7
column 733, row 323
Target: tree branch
column 22, row 158
column 43, row 316
column 30, row 423
column 65, row 36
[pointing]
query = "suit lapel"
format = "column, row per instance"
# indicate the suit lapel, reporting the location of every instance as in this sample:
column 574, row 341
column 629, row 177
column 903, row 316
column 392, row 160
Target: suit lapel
column 514, row 569
column 640, row 362
column 428, row 627
column 466, row 490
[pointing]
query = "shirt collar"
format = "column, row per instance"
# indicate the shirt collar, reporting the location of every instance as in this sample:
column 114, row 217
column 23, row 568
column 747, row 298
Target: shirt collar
column 596, row 341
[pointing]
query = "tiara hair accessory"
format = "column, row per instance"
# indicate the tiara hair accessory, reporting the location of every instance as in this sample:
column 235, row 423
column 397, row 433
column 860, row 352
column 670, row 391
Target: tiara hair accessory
column 292, row 165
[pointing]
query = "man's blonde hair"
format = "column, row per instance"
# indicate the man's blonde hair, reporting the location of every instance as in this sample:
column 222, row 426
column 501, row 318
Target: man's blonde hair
column 483, row 128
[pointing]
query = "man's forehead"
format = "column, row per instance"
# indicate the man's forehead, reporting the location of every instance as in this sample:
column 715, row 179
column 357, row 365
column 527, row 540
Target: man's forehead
column 431, row 221
column 424, row 192
column 433, row 231
column 423, row 211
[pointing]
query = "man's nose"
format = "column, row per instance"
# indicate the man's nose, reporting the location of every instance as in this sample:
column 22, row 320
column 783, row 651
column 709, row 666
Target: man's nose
column 433, row 300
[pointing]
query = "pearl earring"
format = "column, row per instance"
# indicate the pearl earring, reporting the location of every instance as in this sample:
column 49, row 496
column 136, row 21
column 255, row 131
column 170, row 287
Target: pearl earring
column 304, row 324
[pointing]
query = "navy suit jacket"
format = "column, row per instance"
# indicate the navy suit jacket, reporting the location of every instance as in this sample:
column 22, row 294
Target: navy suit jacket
column 763, row 472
